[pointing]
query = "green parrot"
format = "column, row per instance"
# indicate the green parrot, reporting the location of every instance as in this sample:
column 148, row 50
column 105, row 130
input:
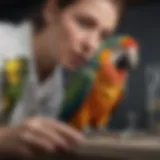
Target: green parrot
column 76, row 91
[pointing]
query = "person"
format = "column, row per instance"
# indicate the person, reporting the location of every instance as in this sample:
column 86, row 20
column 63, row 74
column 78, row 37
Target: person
column 59, row 34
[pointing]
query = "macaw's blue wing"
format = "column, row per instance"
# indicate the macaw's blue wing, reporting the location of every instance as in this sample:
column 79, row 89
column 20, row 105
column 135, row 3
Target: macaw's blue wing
column 76, row 92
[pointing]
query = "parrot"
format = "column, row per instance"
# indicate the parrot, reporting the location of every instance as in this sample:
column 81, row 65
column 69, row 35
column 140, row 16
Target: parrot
column 14, row 73
column 99, row 88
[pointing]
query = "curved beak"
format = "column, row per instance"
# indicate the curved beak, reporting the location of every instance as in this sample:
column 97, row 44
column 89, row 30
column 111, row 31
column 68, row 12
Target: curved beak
column 127, row 60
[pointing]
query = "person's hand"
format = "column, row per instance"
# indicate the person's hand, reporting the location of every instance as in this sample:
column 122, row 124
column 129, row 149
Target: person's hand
column 38, row 137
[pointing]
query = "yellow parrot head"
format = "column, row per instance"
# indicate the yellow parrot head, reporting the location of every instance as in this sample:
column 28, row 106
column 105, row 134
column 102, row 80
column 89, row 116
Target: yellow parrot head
column 13, row 70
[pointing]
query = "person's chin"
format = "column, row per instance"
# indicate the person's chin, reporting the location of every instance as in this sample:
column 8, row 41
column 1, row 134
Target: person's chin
column 70, row 67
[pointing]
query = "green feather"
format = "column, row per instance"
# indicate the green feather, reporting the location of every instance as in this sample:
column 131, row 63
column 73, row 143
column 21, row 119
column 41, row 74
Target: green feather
column 76, row 92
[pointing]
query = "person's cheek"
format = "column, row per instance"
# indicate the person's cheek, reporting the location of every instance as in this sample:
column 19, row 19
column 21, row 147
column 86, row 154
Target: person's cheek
column 76, row 33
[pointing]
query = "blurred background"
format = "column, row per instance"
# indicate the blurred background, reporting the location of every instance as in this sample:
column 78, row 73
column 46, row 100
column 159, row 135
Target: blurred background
column 143, row 23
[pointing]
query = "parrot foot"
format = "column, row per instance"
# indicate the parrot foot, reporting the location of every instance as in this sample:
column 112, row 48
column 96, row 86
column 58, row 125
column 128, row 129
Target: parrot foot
column 87, row 130
column 101, row 130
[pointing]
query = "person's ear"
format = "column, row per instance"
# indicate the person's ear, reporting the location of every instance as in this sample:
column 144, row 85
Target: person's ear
column 50, row 11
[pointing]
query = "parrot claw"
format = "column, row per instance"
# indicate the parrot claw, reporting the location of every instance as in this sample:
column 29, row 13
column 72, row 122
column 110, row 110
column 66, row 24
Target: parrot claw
column 101, row 130
column 87, row 130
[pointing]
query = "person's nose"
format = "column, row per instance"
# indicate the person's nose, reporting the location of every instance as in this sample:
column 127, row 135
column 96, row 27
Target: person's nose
column 90, row 45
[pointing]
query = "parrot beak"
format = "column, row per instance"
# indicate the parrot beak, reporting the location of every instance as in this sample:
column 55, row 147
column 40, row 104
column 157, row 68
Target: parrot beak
column 127, row 60
column 123, row 63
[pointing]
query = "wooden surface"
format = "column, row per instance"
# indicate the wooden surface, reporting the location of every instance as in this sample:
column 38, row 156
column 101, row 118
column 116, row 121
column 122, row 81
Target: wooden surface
column 113, row 146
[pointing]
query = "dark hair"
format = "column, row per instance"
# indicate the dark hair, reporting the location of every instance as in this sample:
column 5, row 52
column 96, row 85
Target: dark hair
column 37, row 18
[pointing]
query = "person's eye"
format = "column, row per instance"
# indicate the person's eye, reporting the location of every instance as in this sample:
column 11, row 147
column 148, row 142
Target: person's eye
column 85, row 22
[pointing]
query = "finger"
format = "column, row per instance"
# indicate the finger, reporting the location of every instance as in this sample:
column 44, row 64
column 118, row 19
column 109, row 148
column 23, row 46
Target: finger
column 38, row 144
column 59, row 140
column 50, row 135
column 65, row 130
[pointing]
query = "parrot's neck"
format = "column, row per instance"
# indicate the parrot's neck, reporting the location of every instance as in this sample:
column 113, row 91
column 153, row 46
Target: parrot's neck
column 112, row 75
